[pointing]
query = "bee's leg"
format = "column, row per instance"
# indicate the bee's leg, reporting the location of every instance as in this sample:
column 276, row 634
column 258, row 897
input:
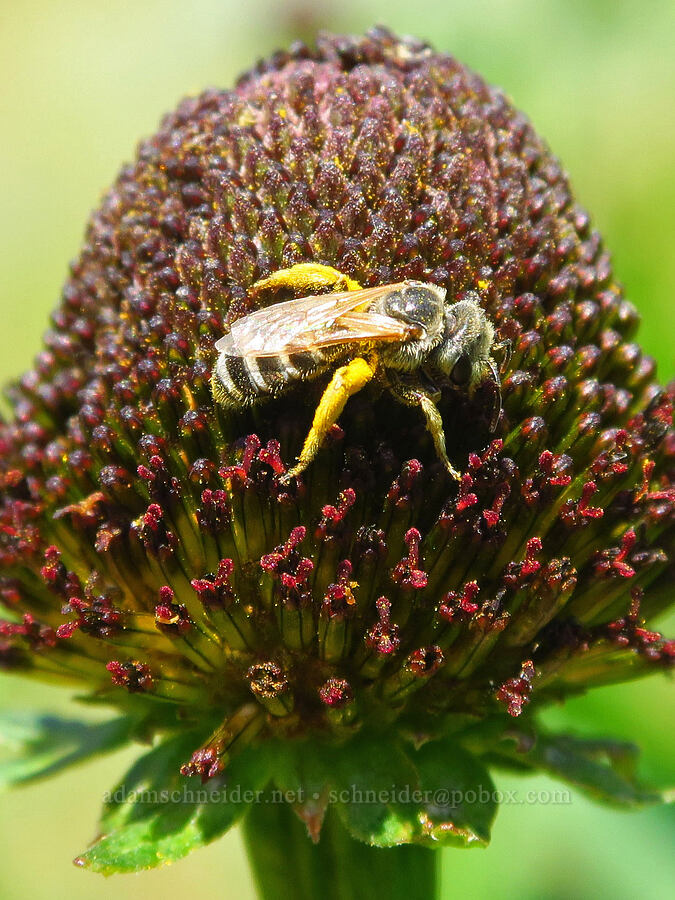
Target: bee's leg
column 306, row 278
column 414, row 396
column 346, row 381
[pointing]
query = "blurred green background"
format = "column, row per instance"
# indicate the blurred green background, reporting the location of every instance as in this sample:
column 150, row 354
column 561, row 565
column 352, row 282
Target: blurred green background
column 83, row 82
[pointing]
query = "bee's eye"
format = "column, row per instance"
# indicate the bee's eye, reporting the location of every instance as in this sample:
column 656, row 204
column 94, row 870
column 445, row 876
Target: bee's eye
column 461, row 373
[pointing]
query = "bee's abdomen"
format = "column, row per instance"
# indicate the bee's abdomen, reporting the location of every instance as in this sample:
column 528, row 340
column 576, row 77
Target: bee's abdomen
column 239, row 381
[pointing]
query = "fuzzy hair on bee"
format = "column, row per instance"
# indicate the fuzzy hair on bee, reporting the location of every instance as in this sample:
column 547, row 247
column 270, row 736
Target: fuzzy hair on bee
column 404, row 335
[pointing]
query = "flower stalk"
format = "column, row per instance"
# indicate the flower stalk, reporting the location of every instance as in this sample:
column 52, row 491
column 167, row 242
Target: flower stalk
column 336, row 867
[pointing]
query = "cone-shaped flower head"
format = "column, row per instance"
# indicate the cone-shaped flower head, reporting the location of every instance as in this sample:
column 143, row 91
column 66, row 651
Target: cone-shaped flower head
column 149, row 545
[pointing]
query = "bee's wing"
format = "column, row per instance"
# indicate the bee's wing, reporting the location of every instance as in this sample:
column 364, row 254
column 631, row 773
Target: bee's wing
column 313, row 322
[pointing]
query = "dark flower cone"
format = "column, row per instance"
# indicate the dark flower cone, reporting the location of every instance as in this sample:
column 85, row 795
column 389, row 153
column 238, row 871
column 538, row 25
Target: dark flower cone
column 372, row 609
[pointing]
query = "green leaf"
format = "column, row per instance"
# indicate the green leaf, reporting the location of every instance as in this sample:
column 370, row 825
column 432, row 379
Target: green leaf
column 604, row 769
column 40, row 746
column 386, row 796
column 302, row 780
column 458, row 797
column 373, row 786
column 156, row 815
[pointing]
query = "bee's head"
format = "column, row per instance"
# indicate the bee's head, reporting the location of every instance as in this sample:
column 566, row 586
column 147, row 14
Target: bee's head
column 464, row 354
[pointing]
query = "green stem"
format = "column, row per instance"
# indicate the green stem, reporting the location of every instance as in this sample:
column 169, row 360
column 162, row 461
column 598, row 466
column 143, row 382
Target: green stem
column 287, row 864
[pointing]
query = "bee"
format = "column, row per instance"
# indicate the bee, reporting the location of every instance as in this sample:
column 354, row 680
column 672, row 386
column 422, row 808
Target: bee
column 404, row 335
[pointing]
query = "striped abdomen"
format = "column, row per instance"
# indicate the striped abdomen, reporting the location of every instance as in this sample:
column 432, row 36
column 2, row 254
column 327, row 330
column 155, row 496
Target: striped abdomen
column 242, row 380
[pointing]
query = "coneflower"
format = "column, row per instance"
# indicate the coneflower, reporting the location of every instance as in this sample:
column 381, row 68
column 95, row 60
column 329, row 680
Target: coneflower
column 371, row 626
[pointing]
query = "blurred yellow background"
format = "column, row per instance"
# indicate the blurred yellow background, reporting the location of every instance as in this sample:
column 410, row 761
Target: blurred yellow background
column 83, row 82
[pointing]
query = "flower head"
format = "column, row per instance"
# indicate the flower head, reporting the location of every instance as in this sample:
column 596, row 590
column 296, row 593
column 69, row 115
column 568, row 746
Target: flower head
column 149, row 545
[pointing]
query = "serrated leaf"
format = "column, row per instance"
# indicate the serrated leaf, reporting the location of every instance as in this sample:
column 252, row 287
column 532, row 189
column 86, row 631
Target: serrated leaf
column 40, row 746
column 373, row 785
column 458, row 803
column 603, row 769
column 156, row 815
